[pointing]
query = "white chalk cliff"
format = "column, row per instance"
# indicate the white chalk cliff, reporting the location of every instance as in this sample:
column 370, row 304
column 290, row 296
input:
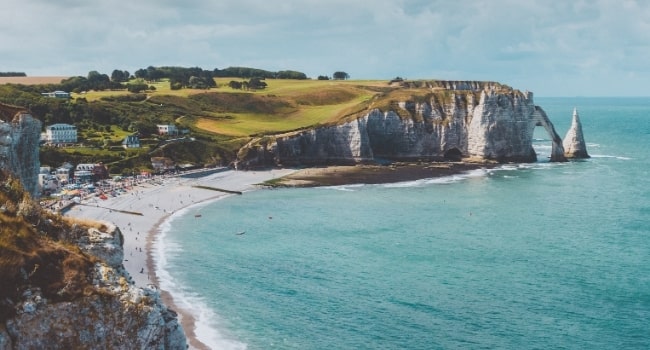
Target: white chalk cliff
column 574, row 141
column 20, row 134
column 446, row 121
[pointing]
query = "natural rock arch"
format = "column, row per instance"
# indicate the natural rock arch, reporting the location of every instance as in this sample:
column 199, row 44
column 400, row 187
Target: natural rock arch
column 557, row 150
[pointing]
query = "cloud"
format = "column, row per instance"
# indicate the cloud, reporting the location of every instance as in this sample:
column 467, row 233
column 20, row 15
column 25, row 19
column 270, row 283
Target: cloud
column 526, row 44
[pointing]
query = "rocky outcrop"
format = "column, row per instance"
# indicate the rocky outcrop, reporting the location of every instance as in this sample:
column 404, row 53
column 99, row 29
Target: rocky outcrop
column 19, row 140
column 64, row 285
column 114, row 315
column 574, row 141
column 450, row 121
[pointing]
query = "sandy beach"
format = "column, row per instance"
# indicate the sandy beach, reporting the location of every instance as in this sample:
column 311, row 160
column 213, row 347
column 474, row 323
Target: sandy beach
column 156, row 201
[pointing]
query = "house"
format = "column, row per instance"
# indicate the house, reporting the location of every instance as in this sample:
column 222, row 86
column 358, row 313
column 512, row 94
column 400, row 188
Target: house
column 56, row 94
column 84, row 172
column 48, row 183
column 64, row 173
column 167, row 129
column 57, row 134
column 162, row 164
column 131, row 141
column 100, row 172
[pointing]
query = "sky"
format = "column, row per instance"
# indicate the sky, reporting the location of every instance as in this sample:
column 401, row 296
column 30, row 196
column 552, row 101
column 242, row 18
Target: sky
column 550, row 47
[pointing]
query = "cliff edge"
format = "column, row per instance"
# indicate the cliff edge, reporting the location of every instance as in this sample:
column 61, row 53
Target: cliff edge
column 429, row 120
column 64, row 286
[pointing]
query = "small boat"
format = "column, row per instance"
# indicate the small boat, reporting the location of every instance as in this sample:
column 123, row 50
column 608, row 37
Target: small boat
column 240, row 232
column 197, row 215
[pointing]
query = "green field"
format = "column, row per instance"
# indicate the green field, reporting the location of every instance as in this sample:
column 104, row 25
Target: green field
column 283, row 106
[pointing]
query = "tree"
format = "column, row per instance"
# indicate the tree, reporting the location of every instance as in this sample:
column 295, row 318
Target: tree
column 235, row 85
column 323, row 77
column 340, row 75
column 136, row 87
column 256, row 84
column 119, row 76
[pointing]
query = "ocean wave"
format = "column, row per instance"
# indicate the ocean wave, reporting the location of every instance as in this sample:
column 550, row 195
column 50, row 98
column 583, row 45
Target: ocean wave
column 346, row 188
column 595, row 145
column 543, row 147
column 608, row 156
column 476, row 173
column 206, row 322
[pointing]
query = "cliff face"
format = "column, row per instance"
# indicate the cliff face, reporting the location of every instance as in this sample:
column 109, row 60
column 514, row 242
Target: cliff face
column 64, row 285
column 19, row 139
column 455, row 120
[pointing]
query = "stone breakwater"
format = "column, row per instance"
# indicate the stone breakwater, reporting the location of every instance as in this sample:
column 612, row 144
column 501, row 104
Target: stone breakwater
column 455, row 120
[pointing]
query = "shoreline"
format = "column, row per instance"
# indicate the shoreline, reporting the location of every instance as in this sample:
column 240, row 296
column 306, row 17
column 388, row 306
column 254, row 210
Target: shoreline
column 158, row 201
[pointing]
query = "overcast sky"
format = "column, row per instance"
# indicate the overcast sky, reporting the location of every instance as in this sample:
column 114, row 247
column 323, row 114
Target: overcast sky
column 553, row 48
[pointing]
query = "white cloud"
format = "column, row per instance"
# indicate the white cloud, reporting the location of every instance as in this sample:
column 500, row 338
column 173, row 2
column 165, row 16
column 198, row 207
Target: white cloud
column 526, row 44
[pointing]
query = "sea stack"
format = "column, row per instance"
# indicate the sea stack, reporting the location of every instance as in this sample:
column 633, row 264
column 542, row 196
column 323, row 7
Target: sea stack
column 574, row 141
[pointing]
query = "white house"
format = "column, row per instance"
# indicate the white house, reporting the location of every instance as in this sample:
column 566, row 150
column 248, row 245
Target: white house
column 167, row 129
column 56, row 94
column 60, row 134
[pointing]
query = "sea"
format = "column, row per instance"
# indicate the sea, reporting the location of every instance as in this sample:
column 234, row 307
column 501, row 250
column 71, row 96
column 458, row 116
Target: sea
column 525, row 256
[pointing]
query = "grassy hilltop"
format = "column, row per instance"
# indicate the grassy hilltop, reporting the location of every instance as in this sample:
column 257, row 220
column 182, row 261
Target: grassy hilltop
column 283, row 105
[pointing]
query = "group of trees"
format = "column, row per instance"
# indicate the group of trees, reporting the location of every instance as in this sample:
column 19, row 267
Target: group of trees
column 179, row 78
column 245, row 72
column 252, row 84
column 13, row 74
column 338, row 75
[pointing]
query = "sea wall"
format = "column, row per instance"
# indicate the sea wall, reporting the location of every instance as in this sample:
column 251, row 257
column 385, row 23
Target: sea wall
column 485, row 121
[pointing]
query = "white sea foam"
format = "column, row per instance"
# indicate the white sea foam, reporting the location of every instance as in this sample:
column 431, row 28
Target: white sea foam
column 608, row 156
column 206, row 322
column 477, row 173
column 347, row 188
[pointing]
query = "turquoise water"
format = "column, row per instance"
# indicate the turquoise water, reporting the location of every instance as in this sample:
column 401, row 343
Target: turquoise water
column 529, row 256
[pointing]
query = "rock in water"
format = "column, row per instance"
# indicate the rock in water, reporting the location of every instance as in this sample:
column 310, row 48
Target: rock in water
column 574, row 141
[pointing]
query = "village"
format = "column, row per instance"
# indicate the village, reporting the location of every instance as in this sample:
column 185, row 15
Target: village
column 70, row 184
